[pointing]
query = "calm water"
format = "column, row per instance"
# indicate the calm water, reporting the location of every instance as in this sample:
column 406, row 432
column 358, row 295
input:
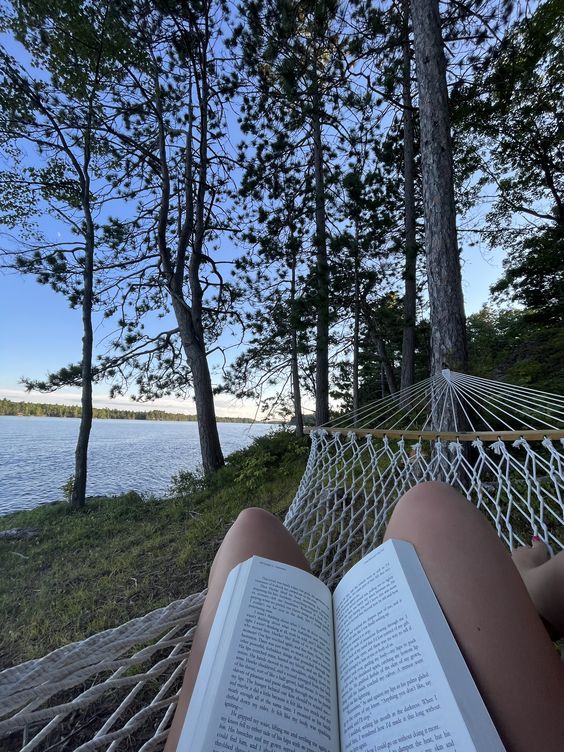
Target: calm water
column 37, row 455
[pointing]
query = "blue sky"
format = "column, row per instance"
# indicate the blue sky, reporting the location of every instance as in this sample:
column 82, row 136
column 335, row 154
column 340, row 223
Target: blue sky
column 40, row 333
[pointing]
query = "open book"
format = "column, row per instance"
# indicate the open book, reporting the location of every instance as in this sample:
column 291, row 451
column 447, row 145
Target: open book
column 289, row 667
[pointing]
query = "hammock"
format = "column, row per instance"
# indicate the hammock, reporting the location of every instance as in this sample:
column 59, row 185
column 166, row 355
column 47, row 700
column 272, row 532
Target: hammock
column 118, row 689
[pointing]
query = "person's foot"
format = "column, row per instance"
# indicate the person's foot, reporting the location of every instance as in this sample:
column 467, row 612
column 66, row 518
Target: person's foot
column 544, row 580
column 526, row 558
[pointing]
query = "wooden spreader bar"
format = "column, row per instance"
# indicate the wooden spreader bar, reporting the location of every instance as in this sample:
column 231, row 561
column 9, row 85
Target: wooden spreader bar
column 446, row 435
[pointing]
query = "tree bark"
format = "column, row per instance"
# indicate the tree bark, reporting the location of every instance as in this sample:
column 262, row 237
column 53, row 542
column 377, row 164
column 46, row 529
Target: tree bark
column 192, row 337
column 296, row 389
column 296, row 392
column 212, row 456
column 409, row 300
column 210, row 446
column 78, row 496
column 322, row 329
column 448, row 323
column 356, row 327
column 387, row 369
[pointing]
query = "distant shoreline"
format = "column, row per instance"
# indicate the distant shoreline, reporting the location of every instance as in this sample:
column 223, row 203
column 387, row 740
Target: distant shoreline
column 44, row 410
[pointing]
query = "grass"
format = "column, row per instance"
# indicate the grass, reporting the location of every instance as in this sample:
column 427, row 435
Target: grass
column 123, row 556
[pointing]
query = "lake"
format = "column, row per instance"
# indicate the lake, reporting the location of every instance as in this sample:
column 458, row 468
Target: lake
column 37, row 455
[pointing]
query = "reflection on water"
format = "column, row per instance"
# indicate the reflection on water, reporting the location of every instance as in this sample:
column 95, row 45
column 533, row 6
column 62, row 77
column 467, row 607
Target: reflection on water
column 37, row 455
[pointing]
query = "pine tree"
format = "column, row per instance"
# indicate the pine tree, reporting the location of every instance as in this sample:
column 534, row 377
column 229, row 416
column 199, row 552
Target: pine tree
column 508, row 120
column 448, row 322
column 173, row 137
column 410, row 282
column 292, row 57
column 272, row 280
column 58, row 113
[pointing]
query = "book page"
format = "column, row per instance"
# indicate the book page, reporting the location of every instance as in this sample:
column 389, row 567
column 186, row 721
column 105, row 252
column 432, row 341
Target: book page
column 267, row 680
column 394, row 693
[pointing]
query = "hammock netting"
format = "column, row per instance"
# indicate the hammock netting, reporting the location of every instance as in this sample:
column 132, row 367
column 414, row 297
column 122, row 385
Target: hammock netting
column 118, row 689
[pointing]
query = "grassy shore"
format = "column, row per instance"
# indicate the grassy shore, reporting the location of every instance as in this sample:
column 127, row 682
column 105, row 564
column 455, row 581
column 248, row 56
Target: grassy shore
column 122, row 556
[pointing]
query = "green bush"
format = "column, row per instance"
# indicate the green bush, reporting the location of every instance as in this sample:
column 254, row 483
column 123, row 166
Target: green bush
column 252, row 471
column 279, row 449
column 277, row 452
column 187, row 483
column 66, row 489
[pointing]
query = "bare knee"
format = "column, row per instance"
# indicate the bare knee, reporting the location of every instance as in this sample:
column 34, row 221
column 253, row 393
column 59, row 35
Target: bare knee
column 254, row 522
column 255, row 517
column 256, row 532
column 426, row 497
column 426, row 507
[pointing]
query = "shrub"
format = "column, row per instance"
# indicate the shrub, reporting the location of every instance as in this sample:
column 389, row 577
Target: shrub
column 66, row 489
column 276, row 452
column 188, row 483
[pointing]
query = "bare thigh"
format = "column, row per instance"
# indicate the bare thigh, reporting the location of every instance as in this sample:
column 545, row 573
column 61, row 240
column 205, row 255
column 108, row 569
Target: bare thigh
column 255, row 532
column 506, row 646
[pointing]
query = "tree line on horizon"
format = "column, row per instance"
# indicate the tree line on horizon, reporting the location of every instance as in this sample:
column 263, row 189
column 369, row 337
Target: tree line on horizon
column 43, row 409
column 295, row 175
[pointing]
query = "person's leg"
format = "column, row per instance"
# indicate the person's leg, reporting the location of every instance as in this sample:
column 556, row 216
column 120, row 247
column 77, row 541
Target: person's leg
column 506, row 647
column 255, row 532
column 544, row 580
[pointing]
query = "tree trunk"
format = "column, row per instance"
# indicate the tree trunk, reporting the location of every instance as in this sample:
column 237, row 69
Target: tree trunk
column 387, row 369
column 189, row 250
column 322, row 332
column 409, row 300
column 356, row 327
column 296, row 393
column 212, row 456
column 192, row 338
column 296, row 388
column 210, row 446
column 448, row 323
column 78, row 496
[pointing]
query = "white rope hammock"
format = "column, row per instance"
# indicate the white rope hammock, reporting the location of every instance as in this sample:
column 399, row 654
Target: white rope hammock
column 118, row 689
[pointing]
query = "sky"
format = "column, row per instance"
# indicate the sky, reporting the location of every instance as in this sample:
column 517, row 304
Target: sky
column 39, row 333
